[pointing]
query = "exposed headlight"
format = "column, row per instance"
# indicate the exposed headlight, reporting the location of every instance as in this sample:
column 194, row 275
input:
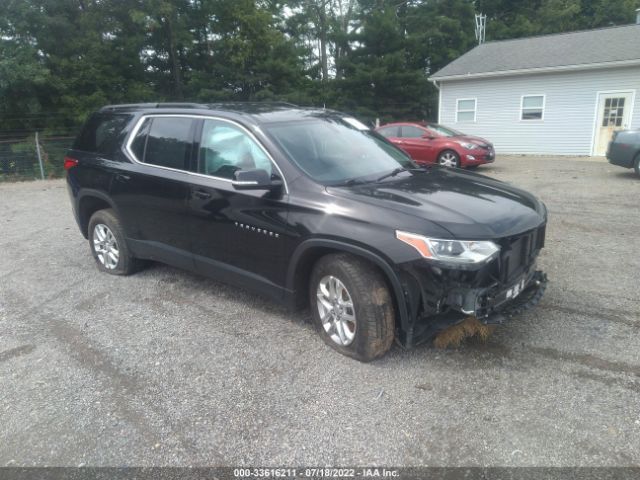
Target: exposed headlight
column 451, row 251
column 468, row 146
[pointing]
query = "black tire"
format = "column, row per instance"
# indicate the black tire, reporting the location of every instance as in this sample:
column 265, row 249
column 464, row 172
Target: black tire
column 372, row 305
column 127, row 263
column 636, row 164
column 443, row 155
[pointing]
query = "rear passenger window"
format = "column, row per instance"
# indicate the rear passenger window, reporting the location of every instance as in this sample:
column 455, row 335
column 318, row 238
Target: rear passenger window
column 388, row 132
column 411, row 132
column 169, row 142
column 102, row 133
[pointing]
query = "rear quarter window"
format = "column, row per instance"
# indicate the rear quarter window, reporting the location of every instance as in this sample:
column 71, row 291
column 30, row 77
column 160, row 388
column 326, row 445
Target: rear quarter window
column 388, row 131
column 102, row 134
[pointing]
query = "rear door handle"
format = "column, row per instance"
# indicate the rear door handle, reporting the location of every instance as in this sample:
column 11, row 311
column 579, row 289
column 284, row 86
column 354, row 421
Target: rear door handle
column 122, row 177
column 201, row 194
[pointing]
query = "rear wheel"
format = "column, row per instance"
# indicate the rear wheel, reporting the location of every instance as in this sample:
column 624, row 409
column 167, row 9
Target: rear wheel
column 449, row 158
column 636, row 164
column 108, row 245
column 351, row 306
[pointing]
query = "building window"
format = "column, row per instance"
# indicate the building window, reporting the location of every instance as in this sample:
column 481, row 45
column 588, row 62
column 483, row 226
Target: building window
column 532, row 107
column 466, row 110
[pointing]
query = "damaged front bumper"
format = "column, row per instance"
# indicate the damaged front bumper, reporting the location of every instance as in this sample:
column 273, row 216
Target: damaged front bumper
column 435, row 310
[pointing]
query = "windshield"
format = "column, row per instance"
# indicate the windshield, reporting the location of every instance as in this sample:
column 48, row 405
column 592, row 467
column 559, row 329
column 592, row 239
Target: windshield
column 332, row 151
column 444, row 131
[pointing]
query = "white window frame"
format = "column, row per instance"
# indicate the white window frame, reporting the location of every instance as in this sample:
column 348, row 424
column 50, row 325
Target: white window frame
column 544, row 103
column 458, row 111
column 144, row 117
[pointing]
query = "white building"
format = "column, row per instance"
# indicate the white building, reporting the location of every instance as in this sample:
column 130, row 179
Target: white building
column 560, row 94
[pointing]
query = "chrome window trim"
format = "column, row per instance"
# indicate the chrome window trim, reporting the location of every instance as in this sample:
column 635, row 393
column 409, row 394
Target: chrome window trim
column 144, row 117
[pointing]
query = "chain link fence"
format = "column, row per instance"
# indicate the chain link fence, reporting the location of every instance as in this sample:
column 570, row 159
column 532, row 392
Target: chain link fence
column 33, row 157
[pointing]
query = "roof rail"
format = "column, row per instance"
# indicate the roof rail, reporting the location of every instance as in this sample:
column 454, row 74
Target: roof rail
column 250, row 102
column 134, row 106
column 125, row 106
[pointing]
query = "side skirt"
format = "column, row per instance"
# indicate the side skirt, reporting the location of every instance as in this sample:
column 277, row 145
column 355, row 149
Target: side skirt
column 208, row 267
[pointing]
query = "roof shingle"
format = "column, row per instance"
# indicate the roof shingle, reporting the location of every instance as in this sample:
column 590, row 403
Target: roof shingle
column 613, row 44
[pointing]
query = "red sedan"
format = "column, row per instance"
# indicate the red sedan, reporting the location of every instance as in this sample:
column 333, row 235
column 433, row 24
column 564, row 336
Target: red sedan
column 433, row 143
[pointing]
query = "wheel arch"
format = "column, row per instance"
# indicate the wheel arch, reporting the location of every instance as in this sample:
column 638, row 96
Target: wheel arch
column 635, row 163
column 447, row 148
column 89, row 202
column 310, row 251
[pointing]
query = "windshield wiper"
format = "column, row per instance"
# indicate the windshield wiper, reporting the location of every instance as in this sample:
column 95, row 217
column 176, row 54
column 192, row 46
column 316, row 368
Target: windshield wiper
column 392, row 173
column 350, row 183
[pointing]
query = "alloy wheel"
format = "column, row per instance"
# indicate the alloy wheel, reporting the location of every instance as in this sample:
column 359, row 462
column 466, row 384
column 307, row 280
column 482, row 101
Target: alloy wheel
column 336, row 310
column 105, row 246
column 448, row 159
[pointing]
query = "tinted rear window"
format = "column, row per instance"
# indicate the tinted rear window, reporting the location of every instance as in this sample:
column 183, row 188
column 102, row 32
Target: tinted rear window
column 103, row 133
column 169, row 141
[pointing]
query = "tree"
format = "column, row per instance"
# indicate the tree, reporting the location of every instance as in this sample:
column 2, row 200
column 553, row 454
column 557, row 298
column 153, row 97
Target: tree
column 62, row 59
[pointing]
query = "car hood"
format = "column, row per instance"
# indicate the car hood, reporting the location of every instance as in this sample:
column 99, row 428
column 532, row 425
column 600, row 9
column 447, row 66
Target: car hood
column 472, row 139
column 468, row 205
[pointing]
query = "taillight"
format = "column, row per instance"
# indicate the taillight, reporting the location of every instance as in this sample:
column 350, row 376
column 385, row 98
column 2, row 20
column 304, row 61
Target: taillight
column 69, row 162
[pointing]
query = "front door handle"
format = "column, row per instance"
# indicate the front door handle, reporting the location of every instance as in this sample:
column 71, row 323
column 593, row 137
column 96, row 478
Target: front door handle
column 201, row 194
column 121, row 177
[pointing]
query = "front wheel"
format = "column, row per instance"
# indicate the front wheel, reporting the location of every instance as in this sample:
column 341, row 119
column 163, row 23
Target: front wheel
column 449, row 158
column 351, row 306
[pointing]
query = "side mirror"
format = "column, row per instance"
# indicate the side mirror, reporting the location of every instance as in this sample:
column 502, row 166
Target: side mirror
column 428, row 136
column 255, row 179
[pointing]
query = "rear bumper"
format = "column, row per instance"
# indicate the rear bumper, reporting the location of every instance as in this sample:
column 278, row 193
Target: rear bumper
column 620, row 161
column 72, row 190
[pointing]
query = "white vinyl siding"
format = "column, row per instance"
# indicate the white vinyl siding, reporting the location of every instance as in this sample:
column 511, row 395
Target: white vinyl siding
column 569, row 111
column 532, row 107
column 466, row 110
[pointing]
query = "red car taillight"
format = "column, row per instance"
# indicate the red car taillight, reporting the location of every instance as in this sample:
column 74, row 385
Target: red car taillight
column 69, row 162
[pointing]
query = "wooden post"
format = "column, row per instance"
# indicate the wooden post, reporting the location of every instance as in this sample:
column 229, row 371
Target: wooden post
column 39, row 157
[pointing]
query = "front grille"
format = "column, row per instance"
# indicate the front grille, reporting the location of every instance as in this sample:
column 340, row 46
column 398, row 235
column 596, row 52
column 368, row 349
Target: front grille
column 518, row 253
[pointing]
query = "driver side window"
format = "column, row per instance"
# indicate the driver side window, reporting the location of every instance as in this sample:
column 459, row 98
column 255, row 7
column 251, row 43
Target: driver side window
column 226, row 148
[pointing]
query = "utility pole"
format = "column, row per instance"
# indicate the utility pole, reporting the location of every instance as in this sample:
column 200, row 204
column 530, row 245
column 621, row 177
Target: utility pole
column 481, row 27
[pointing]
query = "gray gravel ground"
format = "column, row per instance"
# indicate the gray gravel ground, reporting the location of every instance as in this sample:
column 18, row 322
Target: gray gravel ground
column 169, row 368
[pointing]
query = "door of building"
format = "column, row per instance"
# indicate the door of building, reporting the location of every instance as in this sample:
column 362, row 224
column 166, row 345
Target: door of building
column 614, row 113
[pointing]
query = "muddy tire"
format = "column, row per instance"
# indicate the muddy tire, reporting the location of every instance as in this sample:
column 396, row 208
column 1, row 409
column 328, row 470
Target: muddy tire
column 108, row 245
column 352, row 307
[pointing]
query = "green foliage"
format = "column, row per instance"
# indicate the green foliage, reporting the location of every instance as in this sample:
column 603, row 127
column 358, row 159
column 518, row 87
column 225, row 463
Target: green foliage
column 61, row 59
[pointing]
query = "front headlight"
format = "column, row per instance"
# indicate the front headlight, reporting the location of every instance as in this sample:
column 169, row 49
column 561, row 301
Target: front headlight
column 451, row 251
column 468, row 146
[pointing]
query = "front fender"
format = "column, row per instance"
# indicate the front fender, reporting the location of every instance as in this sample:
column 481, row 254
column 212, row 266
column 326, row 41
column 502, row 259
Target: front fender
column 406, row 322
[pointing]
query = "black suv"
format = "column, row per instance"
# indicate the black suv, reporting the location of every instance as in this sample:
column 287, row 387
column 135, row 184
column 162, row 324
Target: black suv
column 310, row 207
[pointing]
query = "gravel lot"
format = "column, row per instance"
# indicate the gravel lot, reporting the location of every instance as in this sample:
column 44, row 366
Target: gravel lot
column 169, row 368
